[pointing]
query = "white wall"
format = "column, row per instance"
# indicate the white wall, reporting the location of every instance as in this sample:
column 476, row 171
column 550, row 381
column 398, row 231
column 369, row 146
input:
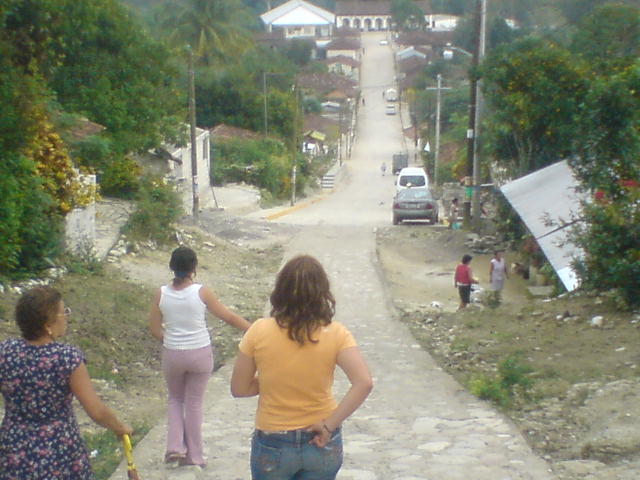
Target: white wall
column 80, row 224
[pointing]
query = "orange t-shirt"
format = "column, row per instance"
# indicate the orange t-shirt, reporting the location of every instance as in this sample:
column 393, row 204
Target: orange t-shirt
column 295, row 380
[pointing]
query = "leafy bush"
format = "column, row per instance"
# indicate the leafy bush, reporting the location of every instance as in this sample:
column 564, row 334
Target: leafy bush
column 84, row 260
column 158, row 207
column 29, row 222
column 490, row 388
column 491, row 298
column 121, row 178
column 606, row 163
column 513, row 377
column 610, row 242
column 514, row 373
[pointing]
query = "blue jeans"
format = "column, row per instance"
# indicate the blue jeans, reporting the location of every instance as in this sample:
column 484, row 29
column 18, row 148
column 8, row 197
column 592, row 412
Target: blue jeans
column 290, row 456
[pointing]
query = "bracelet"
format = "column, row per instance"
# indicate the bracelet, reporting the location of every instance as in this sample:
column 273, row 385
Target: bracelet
column 326, row 428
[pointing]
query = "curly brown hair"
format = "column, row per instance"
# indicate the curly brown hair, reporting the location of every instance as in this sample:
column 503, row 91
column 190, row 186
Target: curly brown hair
column 302, row 300
column 34, row 310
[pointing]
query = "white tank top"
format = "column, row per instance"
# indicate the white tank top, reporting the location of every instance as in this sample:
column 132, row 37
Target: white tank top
column 183, row 315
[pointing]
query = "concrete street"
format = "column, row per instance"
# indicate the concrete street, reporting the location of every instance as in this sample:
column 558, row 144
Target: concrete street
column 418, row 423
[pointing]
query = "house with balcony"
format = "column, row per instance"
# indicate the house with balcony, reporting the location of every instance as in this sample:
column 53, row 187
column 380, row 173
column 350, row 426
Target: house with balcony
column 371, row 15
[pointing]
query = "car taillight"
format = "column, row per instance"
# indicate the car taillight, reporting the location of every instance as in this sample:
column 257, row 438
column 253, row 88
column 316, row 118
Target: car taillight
column 396, row 205
column 429, row 206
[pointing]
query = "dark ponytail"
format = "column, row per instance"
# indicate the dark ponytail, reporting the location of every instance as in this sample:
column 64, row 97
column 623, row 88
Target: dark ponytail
column 183, row 263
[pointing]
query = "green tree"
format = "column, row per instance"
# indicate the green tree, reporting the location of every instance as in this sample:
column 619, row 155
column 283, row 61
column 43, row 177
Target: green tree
column 263, row 163
column 453, row 7
column 115, row 74
column 407, row 15
column 499, row 32
column 215, row 30
column 609, row 38
column 534, row 88
column 221, row 91
column 29, row 222
column 607, row 145
column 298, row 50
column 575, row 10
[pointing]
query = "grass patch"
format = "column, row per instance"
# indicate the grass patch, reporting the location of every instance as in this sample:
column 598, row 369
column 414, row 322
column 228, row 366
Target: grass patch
column 109, row 323
column 460, row 345
column 83, row 261
column 106, row 451
column 513, row 379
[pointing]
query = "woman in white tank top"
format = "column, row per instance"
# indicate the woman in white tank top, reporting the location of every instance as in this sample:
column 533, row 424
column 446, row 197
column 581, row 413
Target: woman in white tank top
column 178, row 320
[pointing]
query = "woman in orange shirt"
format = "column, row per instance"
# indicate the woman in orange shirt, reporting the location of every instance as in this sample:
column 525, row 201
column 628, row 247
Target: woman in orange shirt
column 288, row 360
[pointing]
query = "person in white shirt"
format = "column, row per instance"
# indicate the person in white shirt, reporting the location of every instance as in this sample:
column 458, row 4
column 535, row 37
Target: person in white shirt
column 498, row 272
column 178, row 320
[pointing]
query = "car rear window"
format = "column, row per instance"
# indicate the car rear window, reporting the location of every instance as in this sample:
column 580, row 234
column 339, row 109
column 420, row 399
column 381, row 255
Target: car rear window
column 414, row 194
column 414, row 180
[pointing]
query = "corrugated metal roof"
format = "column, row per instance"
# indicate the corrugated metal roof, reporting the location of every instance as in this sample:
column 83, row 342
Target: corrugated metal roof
column 549, row 204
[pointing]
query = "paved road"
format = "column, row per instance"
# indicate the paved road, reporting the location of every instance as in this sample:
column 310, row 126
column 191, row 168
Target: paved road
column 418, row 423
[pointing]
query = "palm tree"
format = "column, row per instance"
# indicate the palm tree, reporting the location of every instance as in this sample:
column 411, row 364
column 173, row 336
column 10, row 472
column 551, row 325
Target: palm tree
column 215, row 29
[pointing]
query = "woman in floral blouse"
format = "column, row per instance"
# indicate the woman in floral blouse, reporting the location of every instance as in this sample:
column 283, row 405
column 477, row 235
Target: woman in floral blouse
column 39, row 436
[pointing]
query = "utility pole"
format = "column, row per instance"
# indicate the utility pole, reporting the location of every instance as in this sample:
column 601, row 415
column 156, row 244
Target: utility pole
column 264, row 96
column 475, row 206
column 194, row 146
column 296, row 120
column 340, row 121
column 473, row 107
column 436, row 157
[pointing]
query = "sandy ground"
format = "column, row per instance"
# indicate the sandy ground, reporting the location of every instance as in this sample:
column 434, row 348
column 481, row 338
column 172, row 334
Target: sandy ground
column 581, row 412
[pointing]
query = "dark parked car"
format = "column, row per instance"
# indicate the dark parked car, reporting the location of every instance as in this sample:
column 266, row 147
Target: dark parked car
column 414, row 204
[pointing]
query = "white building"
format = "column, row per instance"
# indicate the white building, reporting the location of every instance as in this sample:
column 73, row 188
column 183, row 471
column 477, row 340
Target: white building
column 299, row 19
column 368, row 15
column 442, row 23
column 174, row 163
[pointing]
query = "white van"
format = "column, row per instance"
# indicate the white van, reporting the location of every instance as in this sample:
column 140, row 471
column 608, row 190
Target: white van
column 390, row 109
column 410, row 177
column 391, row 95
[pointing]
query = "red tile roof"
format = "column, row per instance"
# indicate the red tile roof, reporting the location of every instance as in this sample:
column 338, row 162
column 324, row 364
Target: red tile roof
column 227, row 132
column 372, row 7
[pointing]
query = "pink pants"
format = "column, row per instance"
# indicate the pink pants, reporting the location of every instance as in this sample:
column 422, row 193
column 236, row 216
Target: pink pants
column 187, row 373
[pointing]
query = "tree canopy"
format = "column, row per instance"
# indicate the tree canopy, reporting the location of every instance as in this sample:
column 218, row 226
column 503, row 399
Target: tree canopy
column 534, row 88
column 214, row 30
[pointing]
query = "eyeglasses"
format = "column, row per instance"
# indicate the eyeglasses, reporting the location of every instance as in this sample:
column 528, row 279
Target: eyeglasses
column 67, row 312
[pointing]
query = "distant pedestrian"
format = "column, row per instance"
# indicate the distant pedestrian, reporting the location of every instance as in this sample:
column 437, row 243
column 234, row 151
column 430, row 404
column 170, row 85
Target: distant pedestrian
column 454, row 212
column 178, row 320
column 463, row 279
column 498, row 272
column 383, row 168
column 288, row 360
column 363, row 102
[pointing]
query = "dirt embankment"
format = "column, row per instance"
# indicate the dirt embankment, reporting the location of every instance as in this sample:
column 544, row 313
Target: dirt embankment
column 581, row 410
column 110, row 310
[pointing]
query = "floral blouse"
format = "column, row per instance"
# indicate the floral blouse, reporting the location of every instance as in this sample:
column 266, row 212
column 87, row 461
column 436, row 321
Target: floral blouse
column 39, row 436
